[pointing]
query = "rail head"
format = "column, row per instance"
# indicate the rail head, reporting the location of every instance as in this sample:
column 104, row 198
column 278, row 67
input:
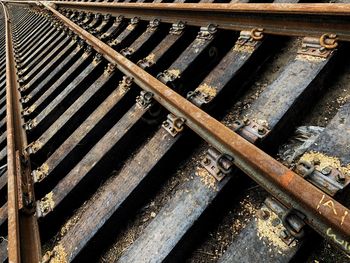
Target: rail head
column 276, row 19
column 23, row 235
column 14, row 254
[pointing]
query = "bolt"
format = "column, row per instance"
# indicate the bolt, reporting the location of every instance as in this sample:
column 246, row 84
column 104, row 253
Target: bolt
column 263, row 214
column 206, row 161
column 261, row 131
column 284, row 234
column 322, row 49
column 275, row 222
column 340, row 177
column 326, row 170
column 246, row 121
column 225, row 163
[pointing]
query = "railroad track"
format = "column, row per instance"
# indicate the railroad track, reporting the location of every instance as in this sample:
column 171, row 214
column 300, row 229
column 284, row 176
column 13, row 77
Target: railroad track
column 131, row 129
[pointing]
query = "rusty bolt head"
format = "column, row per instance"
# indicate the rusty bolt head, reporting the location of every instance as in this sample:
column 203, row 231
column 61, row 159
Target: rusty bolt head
column 263, row 214
column 326, row 170
column 226, row 164
column 206, row 161
column 340, row 177
column 284, row 234
column 276, row 222
column 261, row 130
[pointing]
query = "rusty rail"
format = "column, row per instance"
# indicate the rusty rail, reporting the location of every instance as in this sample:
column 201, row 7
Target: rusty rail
column 12, row 175
column 276, row 19
column 23, row 234
column 327, row 216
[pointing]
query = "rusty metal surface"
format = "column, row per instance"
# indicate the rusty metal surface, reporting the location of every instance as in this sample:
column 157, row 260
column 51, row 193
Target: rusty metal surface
column 279, row 19
column 73, row 140
column 23, row 239
column 12, row 181
column 269, row 173
column 67, row 113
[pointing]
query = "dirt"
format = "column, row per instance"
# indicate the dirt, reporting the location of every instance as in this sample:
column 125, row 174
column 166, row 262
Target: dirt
column 334, row 96
column 271, row 70
column 144, row 216
column 326, row 253
column 237, row 217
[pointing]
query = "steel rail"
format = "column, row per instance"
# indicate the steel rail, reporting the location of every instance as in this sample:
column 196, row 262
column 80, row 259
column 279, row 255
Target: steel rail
column 327, row 216
column 277, row 19
column 12, row 175
column 23, row 234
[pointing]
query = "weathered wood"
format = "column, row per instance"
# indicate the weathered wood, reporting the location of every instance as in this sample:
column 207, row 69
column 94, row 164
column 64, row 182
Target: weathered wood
column 159, row 238
column 83, row 99
column 60, row 80
column 161, row 51
column 139, row 165
column 36, row 73
column 3, row 249
column 3, row 154
column 3, row 214
column 130, row 176
column 334, row 141
column 28, row 55
column 73, row 140
column 32, row 69
column 285, row 92
column 249, row 247
column 32, row 43
column 142, row 42
column 90, row 160
column 127, row 36
column 3, row 180
column 291, row 87
column 33, row 21
column 51, row 108
column 113, row 30
column 186, row 62
column 40, row 25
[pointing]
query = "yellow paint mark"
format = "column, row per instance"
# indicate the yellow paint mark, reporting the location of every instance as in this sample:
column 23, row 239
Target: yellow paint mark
column 343, row 217
column 319, row 203
column 330, row 204
column 345, row 244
